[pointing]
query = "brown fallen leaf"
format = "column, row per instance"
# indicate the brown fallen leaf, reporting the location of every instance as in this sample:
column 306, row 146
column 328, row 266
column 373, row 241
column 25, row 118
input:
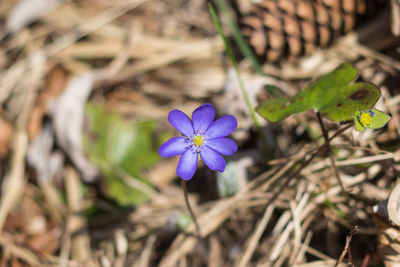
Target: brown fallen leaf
column 163, row 173
column 6, row 133
column 47, row 242
column 55, row 84
column 15, row 220
column 15, row 262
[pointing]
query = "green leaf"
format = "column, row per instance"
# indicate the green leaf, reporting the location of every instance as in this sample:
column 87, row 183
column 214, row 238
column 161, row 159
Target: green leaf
column 357, row 96
column 279, row 109
column 372, row 119
column 332, row 95
column 122, row 150
column 379, row 120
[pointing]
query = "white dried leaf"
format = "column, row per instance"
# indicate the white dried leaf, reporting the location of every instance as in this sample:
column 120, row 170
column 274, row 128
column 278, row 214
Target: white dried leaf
column 393, row 206
column 387, row 220
column 68, row 117
column 41, row 157
column 27, row 11
column 236, row 173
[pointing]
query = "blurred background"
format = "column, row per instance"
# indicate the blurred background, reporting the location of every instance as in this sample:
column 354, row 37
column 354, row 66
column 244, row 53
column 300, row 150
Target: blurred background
column 85, row 91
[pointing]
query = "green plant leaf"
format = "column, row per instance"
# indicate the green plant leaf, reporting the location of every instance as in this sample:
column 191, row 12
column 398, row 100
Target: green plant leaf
column 372, row 119
column 332, row 95
column 122, row 150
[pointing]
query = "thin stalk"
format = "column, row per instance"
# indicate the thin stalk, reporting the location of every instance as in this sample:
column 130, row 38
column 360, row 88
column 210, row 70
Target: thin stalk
column 238, row 37
column 232, row 58
column 330, row 154
column 242, row 44
column 185, row 193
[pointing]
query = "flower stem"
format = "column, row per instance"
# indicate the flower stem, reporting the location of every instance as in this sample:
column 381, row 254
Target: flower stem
column 185, row 193
column 330, row 154
column 243, row 46
column 232, row 58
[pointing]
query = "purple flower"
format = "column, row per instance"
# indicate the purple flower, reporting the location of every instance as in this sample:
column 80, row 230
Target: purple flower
column 200, row 136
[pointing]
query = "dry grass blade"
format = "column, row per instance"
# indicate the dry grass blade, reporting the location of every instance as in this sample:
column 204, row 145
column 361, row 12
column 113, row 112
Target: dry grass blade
column 253, row 242
column 393, row 205
column 300, row 256
column 208, row 221
column 393, row 109
column 297, row 231
column 299, row 213
column 121, row 246
column 13, row 184
column 322, row 263
column 146, row 253
column 188, row 50
column 76, row 224
column 367, row 52
column 20, row 252
column 365, row 160
column 395, row 8
column 9, row 77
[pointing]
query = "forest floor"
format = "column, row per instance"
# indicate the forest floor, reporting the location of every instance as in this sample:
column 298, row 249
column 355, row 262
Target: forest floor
column 85, row 91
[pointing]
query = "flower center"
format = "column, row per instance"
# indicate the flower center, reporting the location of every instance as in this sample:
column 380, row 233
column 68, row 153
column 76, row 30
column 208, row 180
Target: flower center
column 198, row 140
column 366, row 117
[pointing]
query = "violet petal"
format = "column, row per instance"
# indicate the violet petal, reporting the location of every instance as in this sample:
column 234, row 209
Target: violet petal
column 212, row 159
column 187, row 165
column 181, row 122
column 222, row 127
column 202, row 117
column 174, row 146
column 225, row 146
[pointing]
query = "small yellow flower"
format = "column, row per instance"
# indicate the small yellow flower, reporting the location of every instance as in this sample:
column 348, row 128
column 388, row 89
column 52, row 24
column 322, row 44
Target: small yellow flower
column 366, row 117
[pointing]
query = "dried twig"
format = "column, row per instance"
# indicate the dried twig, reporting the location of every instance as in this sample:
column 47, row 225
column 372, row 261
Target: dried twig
column 349, row 236
column 395, row 8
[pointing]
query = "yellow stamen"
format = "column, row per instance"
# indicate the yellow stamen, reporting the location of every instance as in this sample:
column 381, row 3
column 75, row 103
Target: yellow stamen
column 198, row 140
column 365, row 118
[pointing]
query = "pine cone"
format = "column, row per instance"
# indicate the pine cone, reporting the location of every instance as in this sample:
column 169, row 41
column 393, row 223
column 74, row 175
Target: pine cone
column 278, row 29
